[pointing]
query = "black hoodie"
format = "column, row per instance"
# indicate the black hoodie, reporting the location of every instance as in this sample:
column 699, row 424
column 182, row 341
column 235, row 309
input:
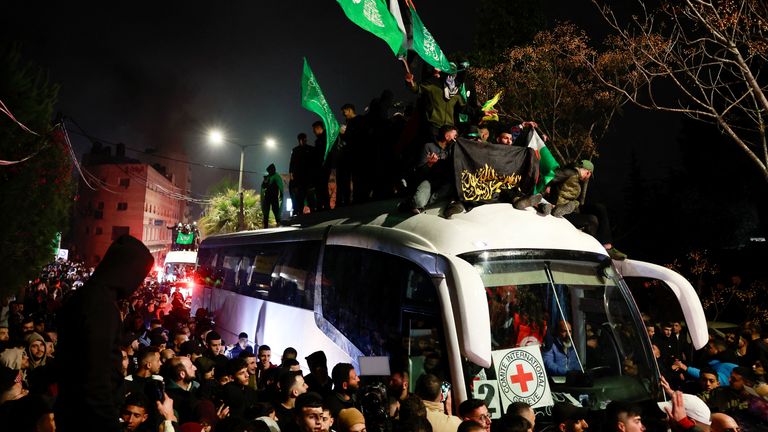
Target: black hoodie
column 88, row 352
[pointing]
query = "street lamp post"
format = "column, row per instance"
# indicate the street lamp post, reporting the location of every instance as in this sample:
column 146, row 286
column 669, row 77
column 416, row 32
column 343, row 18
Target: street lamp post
column 241, row 213
column 217, row 137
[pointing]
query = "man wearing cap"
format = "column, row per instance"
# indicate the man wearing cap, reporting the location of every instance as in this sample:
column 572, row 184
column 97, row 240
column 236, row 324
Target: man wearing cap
column 686, row 412
column 565, row 190
column 569, row 418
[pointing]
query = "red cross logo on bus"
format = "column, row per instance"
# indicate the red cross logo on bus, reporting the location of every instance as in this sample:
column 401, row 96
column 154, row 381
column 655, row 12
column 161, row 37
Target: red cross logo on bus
column 521, row 377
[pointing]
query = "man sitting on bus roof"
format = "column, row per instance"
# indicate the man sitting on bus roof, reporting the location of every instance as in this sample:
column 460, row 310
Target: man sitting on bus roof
column 561, row 358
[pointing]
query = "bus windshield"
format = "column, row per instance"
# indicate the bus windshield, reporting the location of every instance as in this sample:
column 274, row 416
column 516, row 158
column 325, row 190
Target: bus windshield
column 581, row 316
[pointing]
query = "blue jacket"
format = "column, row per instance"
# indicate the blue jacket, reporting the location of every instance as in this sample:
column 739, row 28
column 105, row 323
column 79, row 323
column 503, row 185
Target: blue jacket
column 557, row 362
column 722, row 369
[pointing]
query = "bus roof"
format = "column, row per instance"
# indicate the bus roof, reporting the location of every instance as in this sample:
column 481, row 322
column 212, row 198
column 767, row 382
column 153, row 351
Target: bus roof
column 486, row 227
column 181, row 257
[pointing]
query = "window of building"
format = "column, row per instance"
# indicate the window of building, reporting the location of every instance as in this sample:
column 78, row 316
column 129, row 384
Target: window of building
column 87, row 230
column 101, row 205
column 125, row 182
column 98, row 214
column 117, row 231
column 98, row 231
column 122, row 206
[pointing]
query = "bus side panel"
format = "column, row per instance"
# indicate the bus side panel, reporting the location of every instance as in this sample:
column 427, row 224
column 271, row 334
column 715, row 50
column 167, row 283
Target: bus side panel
column 273, row 324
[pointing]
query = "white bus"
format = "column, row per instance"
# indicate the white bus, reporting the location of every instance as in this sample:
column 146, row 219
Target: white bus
column 446, row 297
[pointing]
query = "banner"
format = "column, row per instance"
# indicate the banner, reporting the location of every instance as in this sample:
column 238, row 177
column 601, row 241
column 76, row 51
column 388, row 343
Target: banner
column 312, row 99
column 374, row 16
column 488, row 173
column 426, row 46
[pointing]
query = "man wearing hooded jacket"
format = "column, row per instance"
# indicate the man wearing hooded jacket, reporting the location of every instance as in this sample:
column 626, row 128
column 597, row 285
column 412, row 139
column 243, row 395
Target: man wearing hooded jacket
column 88, row 352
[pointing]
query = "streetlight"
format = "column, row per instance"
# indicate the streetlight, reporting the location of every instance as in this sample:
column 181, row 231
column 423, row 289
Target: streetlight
column 217, row 137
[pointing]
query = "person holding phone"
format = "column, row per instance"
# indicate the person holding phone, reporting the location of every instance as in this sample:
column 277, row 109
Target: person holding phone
column 436, row 395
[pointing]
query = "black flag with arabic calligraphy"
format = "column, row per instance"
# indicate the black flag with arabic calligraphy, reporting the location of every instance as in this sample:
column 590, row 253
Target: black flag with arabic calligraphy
column 489, row 173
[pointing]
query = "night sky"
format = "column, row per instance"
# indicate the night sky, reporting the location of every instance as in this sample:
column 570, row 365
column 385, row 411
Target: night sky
column 160, row 74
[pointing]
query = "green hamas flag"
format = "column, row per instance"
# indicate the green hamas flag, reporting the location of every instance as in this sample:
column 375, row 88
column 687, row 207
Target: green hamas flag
column 184, row 239
column 312, row 99
column 426, row 46
column 374, row 16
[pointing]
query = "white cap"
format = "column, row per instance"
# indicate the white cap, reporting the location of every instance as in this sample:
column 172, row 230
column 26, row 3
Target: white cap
column 695, row 408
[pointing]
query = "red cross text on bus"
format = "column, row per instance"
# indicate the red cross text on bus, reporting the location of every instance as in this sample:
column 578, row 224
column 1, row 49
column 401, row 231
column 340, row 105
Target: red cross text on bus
column 522, row 378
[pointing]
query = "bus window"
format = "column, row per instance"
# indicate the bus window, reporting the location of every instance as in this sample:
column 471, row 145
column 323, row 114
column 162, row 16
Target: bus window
column 385, row 305
column 293, row 277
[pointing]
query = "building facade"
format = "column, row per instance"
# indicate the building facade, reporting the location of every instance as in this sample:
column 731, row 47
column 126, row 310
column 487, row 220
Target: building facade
column 129, row 198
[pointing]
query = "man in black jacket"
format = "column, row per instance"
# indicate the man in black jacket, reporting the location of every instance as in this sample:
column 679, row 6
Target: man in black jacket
column 89, row 340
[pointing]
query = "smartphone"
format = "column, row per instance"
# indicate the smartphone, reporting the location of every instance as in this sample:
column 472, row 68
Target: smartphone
column 445, row 388
column 158, row 389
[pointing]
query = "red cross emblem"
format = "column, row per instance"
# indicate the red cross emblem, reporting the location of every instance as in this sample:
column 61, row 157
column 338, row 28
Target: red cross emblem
column 522, row 378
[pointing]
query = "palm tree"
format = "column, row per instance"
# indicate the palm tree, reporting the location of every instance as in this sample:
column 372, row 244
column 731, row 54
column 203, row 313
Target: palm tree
column 221, row 214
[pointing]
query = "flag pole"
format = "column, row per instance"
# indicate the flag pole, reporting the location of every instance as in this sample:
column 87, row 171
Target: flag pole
column 405, row 63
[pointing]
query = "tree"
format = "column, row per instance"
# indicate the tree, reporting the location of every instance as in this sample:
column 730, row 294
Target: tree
column 221, row 214
column 36, row 193
column 711, row 52
column 548, row 81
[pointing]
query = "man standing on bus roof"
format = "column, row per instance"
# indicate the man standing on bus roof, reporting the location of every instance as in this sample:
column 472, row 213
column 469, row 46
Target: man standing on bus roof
column 561, row 357
column 271, row 196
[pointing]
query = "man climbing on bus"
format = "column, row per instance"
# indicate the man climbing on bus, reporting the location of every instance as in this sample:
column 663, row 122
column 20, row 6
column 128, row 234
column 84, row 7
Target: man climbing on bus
column 565, row 191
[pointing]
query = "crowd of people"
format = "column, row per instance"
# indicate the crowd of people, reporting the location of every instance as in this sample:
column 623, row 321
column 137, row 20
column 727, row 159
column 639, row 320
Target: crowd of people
column 177, row 373
column 728, row 375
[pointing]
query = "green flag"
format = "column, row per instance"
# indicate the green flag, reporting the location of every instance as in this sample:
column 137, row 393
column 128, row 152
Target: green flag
column 374, row 16
column 184, row 239
column 426, row 46
column 312, row 98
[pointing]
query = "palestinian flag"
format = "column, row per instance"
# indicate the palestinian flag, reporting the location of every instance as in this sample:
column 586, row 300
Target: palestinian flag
column 547, row 162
